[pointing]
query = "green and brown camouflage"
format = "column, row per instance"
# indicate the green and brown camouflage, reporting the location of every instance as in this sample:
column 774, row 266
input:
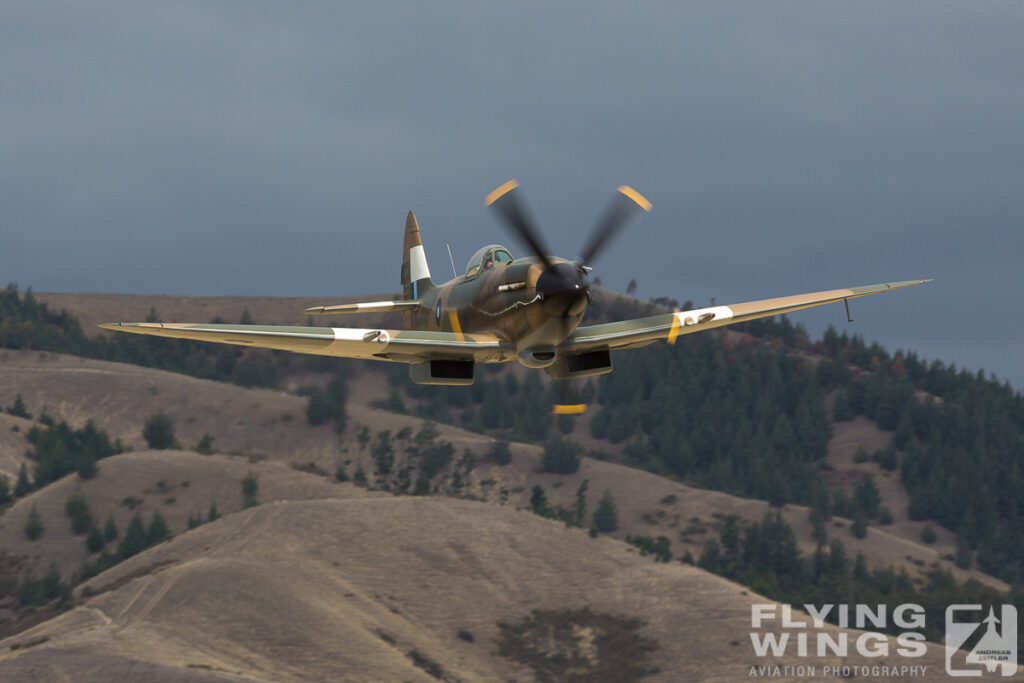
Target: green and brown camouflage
column 500, row 309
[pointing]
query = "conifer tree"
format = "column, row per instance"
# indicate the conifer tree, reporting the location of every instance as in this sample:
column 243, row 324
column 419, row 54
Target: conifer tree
column 159, row 432
column 109, row 529
column 157, row 530
column 539, row 502
column 606, row 517
column 580, row 510
column 78, row 510
column 34, row 526
column 23, row 485
column 18, row 408
column 134, row 541
column 5, row 491
column 94, row 540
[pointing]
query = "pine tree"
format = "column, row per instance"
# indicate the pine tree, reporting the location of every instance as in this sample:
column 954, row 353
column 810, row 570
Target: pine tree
column 109, row 529
column 157, row 530
column 539, row 502
column 859, row 528
column 500, row 452
column 159, row 432
column 318, row 410
column 561, row 456
column 78, row 510
column 23, row 485
column 134, row 541
column 730, row 539
column 34, row 526
column 866, row 496
column 5, row 491
column 212, row 515
column 85, row 464
column 205, row 445
column 51, row 581
column 250, row 485
column 606, row 517
column 860, row 569
column 94, row 540
column 18, row 409
column 580, row 510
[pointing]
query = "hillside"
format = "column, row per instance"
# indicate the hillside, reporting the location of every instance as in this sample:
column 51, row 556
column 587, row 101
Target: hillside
column 263, row 435
column 266, row 428
column 93, row 309
column 384, row 589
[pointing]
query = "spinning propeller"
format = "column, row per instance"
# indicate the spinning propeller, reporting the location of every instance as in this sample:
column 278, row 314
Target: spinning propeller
column 564, row 287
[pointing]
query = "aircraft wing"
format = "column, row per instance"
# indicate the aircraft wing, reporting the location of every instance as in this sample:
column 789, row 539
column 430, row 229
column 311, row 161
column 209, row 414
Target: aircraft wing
column 346, row 342
column 643, row 331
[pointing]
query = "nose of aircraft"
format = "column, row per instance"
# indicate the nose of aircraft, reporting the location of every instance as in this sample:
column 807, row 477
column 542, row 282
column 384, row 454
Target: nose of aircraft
column 564, row 289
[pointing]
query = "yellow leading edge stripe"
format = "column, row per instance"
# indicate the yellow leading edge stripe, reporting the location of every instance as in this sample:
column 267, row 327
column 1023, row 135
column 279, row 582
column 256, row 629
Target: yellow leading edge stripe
column 453, row 317
column 574, row 409
column 501, row 192
column 636, row 197
column 674, row 332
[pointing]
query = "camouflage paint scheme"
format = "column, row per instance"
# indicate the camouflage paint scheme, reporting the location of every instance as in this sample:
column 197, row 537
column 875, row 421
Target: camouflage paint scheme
column 490, row 314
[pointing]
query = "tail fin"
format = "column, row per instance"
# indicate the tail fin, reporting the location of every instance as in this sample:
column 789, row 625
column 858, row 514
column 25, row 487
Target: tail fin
column 415, row 273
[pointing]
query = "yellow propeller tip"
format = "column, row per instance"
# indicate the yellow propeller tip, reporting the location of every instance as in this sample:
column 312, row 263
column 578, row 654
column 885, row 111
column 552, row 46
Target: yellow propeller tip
column 573, row 409
column 501, row 191
column 640, row 200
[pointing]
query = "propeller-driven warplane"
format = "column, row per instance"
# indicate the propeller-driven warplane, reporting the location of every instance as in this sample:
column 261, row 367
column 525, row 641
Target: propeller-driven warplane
column 501, row 309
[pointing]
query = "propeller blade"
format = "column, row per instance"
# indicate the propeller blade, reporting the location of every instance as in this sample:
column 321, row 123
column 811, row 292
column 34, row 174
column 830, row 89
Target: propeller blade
column 510, row 207
column 567, row 398
column 624, row 209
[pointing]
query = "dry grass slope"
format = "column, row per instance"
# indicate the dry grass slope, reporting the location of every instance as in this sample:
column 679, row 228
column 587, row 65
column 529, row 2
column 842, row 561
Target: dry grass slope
column 349, row 589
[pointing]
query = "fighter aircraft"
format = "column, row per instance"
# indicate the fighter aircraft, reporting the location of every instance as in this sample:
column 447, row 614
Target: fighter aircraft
column 502, row 309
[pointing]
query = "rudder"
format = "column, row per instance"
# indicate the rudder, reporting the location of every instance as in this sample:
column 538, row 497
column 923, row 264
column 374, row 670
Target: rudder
column 415, row 273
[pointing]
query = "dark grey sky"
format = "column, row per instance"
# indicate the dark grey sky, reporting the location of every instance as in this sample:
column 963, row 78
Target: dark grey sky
column 273, row 148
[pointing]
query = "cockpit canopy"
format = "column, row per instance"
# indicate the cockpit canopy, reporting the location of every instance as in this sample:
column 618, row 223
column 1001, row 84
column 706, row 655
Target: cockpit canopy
column 486, row 258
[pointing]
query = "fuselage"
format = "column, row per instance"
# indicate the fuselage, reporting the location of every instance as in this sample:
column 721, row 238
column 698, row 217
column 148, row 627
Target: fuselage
column 500, row 297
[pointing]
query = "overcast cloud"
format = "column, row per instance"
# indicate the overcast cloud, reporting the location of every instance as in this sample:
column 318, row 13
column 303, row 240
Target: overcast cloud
column 273, row 148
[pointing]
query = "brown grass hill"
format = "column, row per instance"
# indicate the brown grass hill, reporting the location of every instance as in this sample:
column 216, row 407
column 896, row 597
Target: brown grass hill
column 269, row 425
column 179, row 485
column 402, row 588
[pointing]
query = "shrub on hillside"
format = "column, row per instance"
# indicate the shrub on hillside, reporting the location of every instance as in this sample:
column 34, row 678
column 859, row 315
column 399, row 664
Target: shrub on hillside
column 561, row 456
column 159, row 432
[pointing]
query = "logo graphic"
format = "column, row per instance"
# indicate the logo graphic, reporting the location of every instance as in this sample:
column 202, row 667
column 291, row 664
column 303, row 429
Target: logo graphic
column 990, row 643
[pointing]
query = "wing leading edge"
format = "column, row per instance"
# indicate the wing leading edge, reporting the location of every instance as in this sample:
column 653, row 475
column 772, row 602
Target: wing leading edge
column 346, row 342
column 413, row 346
column 643, row 331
